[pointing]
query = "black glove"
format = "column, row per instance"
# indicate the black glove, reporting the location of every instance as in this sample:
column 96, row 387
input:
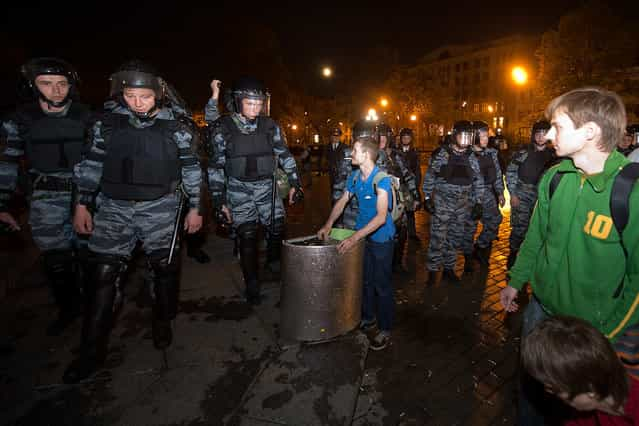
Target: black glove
column 477, row 211
column 429, row 205
column 298, row 196
column 220, row 218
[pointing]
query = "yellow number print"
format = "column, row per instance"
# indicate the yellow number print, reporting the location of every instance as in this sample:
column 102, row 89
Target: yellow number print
column 598, row 226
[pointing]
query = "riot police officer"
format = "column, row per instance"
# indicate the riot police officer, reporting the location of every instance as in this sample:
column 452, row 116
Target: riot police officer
column 522, row 175
column 244, row 148
column 139, row 162
column 493, row 194
column 334, row 154
column 411, row 158
column 49, row 133
column 392, row 161
column 453, row 190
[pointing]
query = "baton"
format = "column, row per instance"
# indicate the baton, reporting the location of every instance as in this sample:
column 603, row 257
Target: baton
column 176, row 225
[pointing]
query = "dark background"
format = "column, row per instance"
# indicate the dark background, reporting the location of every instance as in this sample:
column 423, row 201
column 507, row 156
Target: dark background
column 285, row 45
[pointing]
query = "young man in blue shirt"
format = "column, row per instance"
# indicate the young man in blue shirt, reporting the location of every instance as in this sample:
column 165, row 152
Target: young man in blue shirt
column 374, row 223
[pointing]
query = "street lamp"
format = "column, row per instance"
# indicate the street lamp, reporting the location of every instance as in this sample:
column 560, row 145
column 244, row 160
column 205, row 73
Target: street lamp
column 413, row 117
column 294, row 127
column 519, row 75
column 327, row 72
column 383, row 102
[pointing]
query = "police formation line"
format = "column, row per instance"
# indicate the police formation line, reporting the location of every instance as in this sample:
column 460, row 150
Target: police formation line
column 92, row 202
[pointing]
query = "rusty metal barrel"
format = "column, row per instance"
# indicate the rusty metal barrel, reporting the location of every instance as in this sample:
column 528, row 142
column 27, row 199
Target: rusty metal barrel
column 321, row 294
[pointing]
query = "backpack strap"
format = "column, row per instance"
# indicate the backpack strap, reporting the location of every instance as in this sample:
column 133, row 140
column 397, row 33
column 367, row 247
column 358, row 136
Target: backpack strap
column 554, row 183
column 376, row 179
column 620, row 197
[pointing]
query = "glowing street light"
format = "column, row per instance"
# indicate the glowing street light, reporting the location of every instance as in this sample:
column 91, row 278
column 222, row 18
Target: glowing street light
column 490, row 108
column 294, row 127
column 327, row 72
column 519, row 75
column 413, row 117
column 383, row 102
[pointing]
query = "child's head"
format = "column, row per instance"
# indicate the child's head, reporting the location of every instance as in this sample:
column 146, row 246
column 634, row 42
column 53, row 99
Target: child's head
column 589, row 114
column 576, row 363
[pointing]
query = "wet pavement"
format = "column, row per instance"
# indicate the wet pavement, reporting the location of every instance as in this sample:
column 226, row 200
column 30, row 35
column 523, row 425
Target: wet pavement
column 452, row 360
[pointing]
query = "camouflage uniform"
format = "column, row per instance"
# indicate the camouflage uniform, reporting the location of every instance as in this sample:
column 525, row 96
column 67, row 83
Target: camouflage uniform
column 250, row 200
column 43, row 138
column 522, row 175
column 343, row 167
column 494, row 188
column 453, row 205
column 394, row 163
column 131, row 209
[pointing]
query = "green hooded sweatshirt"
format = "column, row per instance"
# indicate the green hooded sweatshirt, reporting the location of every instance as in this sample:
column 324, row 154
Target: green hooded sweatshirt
column 572, row 255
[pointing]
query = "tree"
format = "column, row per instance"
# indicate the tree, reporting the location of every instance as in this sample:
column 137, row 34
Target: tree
column 586, row 48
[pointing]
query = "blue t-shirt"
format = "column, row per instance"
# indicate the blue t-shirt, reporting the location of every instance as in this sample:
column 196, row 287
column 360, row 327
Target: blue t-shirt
column 367, row 199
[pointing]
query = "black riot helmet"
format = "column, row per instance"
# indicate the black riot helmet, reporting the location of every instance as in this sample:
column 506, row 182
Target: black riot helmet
column 363, row 129
column 383, row 129
column 336, row 131
column 136, row 74
column 541, row 126
column 249, row 88
column 463, row 133
column 479, row 126
column 50, row 66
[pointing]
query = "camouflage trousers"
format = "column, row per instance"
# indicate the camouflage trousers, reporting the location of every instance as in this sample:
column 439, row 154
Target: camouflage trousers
column 520, row 215
column 490, row 221
column 448, row 226
column 251, row 201
column 120, row 224
column 51, row 221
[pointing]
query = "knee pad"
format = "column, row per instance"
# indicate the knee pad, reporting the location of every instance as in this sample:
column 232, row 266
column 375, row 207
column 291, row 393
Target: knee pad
column 247, row 231
column 107, row 268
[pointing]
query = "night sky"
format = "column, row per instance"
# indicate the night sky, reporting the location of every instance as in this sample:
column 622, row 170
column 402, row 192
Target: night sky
column 189, row 45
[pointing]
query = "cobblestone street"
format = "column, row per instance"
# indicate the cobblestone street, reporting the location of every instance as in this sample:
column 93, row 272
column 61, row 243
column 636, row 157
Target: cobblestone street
column 452, row 361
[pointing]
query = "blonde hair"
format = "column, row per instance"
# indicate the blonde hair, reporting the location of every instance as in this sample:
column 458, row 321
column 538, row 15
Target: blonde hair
column 597, row 105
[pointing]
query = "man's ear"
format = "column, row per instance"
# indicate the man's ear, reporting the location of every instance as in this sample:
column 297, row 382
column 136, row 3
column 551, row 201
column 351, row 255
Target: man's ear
column 592, row 131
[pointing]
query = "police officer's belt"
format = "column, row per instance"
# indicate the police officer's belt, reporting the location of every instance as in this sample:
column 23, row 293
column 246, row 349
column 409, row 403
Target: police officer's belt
column 51, row 183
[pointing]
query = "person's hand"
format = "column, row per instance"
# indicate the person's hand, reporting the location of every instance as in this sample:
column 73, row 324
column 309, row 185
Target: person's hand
column 82, row 220
column 508, row 296
column 192, row 221
column 215, row 88
column 346, row 245
column 227, row 214
column 294, row 196
column 6, row 217
column 502, row 201
column 324, row 232
column 514, row 201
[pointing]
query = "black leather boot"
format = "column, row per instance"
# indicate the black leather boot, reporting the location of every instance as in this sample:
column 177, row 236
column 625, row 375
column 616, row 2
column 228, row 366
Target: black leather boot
column 58, row 265
column 100, row 295
column 450, row 275
column 249, row 263
column 468, row 263
column 165, row 291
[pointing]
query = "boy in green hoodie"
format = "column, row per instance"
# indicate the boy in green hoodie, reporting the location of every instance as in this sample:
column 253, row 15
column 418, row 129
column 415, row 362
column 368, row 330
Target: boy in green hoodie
column 573, row 257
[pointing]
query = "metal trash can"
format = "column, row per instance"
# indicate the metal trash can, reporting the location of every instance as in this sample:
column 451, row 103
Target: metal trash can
column 321, row 294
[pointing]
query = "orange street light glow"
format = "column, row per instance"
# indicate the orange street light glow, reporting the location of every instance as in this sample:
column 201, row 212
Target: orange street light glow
column 520, row 76
column 327, row 72
column 413, row 117
column 383, row 102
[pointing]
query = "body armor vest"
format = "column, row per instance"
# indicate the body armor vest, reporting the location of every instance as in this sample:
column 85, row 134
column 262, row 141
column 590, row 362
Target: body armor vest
column 141, row 163
column 531, row 169
column 457, row 171
column 487, row 167
column 54, row 143
column 249, row 157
